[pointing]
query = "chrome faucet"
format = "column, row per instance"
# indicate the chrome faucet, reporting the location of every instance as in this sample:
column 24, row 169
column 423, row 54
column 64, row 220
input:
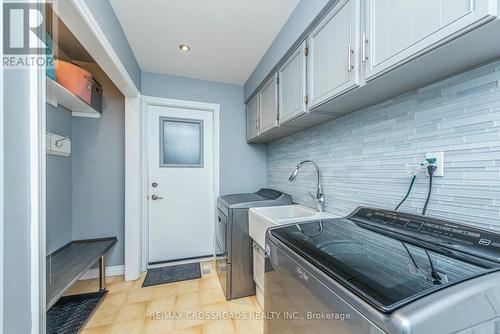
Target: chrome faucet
column 319, row 199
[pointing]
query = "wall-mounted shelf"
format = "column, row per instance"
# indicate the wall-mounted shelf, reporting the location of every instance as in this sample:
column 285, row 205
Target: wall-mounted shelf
column 57, row 94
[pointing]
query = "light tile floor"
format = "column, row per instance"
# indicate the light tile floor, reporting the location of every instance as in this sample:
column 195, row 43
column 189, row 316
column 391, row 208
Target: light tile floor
column 130, row 309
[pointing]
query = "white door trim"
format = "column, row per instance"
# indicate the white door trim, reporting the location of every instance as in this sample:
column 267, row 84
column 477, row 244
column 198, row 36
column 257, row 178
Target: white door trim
column 165, row 102
column 1, row 177
column 133, row 190
column 38, row 198
column 37, row 128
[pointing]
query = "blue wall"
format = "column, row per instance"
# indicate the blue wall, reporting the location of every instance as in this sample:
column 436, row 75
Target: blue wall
column 366, row 155
column 243, row 166
column 99, row 171
column 59, row 183
column 85, row 192
column 17, row 208
column 111, row 27
column 301, row 17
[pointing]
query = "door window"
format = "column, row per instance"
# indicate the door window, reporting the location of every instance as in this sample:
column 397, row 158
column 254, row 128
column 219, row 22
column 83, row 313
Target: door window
column 181, row 143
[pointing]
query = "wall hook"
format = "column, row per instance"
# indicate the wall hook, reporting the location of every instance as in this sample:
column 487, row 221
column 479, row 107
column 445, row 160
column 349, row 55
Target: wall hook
column 58, row 143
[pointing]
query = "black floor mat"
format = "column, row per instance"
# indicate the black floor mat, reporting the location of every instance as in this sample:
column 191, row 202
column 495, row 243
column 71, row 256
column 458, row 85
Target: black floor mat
column 70, row 313
column 164, row 275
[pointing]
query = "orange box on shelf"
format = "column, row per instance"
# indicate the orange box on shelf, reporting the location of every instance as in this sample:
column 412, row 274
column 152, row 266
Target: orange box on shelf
column 75, row 79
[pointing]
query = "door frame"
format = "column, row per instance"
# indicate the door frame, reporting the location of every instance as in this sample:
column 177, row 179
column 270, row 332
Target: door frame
column 147, row 101
column 37, row 161
column 1, row 177
column 37, row 110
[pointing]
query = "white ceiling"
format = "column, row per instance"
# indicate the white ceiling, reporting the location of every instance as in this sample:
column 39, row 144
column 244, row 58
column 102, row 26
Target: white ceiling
column 227, row 37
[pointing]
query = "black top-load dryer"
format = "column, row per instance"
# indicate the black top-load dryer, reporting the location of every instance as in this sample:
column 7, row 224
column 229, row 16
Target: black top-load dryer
column 234, row 246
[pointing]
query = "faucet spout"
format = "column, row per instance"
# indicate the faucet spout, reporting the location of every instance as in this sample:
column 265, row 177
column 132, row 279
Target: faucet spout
column 319, row 197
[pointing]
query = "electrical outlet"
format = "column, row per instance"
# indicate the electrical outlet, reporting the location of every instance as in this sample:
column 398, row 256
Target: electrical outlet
column 439, row 156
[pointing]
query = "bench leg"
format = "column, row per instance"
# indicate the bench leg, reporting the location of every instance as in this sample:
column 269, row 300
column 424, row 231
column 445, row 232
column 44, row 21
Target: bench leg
column 102, row 274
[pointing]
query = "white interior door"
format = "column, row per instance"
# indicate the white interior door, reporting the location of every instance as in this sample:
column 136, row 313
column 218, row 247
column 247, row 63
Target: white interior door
column 181, row 183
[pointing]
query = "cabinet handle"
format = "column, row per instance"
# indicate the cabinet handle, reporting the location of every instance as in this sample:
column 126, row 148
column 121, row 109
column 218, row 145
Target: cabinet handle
column 349, row 58
column 364, row 58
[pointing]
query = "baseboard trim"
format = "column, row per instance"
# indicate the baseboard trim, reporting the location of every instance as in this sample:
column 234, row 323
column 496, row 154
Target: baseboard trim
column 110, row 271
column 181, row 260
column 176, row 262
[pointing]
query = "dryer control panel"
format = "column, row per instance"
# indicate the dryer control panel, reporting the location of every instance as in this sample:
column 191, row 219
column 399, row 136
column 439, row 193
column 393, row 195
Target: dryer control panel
column 442, row 232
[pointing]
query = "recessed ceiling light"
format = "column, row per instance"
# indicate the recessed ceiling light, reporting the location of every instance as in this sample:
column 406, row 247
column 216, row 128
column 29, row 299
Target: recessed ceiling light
column 184, row 47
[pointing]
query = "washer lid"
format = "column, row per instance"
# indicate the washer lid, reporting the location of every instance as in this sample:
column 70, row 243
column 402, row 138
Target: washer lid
column 264, row 194
column 241, row 198
column 386, row 269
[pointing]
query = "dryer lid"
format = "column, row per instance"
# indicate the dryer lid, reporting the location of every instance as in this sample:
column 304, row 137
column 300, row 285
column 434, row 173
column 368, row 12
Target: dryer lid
column 386, row 269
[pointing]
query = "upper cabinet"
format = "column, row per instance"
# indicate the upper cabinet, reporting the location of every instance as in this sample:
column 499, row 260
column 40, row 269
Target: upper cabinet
column 361, row 52
column 269, row 105
column 333, row 60
column 292, row 86
column 253, row 118
column 398, row 31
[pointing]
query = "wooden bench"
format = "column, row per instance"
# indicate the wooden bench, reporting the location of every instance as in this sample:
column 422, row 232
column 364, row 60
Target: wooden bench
column 66, row 265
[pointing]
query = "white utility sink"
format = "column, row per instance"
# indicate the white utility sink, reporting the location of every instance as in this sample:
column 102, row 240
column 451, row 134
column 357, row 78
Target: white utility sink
column 260, row 219
column 287, row 212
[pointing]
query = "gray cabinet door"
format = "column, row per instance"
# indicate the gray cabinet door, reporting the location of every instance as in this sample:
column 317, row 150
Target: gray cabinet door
column 398, row 31
column 269, row 105
column 333, row 53
column 253, row 118
column 292, row 86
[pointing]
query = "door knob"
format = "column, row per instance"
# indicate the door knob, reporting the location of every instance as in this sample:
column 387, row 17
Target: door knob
column 156, row 197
